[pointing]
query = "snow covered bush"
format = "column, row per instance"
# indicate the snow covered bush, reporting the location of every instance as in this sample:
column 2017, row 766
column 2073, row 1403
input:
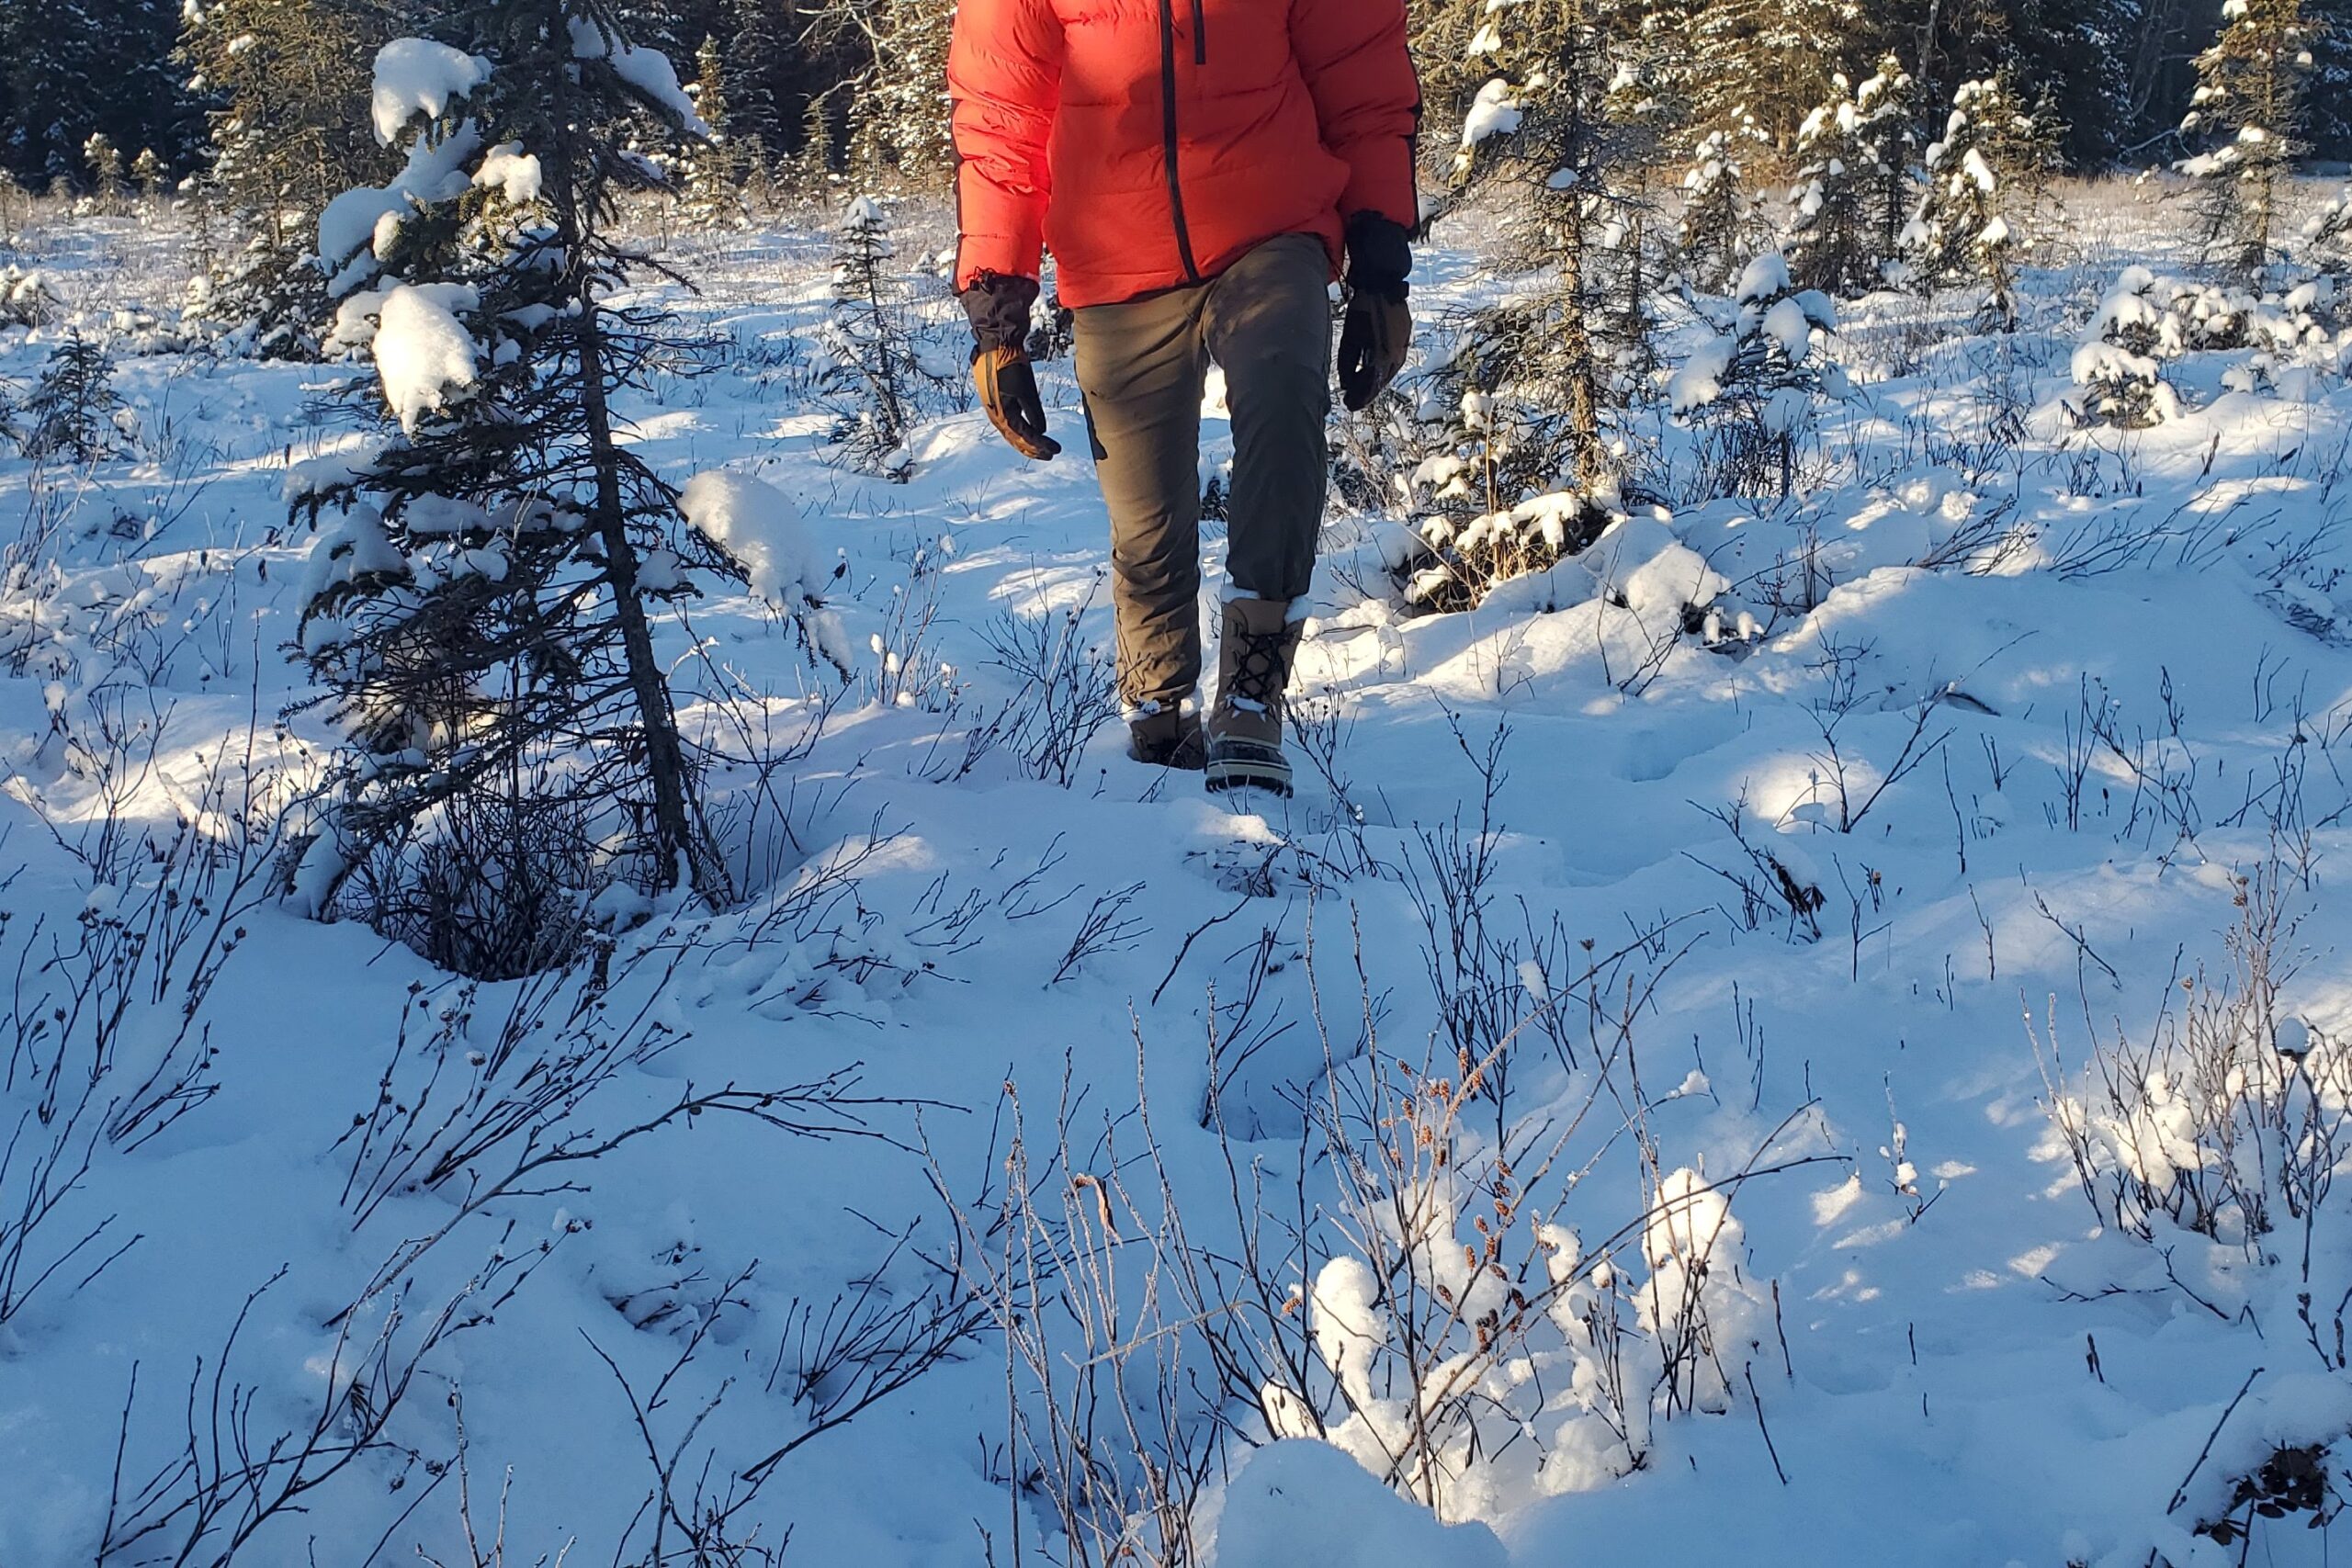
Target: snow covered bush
column 1452, row 1328
column 2327, row 230
column 1460, row 563
column 1752, row 391
column 1506, row 409
column 479, row 599
column 2148, row 318
column 2116, row 368
column 25, row 298
column 2228, row 1124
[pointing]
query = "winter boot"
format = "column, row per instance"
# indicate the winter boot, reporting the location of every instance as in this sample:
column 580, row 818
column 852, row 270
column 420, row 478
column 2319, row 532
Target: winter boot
column 1160, row 736
column 1245, row 727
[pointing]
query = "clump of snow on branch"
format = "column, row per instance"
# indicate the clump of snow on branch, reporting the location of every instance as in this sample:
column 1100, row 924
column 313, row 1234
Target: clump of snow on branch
column 418, row 76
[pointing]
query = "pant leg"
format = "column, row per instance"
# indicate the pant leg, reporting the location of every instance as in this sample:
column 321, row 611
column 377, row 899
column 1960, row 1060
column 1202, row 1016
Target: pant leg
column 1142, row 367
column 1267, row 322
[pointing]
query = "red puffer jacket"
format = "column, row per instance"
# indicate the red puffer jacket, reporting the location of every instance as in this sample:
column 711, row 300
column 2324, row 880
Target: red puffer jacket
column 1151, row 142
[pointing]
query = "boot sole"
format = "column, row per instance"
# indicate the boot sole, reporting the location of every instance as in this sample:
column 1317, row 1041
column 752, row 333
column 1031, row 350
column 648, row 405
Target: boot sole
column 1247, row 765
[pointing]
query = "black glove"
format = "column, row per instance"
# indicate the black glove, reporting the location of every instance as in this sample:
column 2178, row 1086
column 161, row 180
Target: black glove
column 1379, row 325
column 999, row 308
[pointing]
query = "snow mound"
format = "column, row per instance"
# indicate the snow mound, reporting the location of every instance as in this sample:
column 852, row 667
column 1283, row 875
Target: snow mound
column 1303, row 1503
column 1652, row 570
column 417, row 76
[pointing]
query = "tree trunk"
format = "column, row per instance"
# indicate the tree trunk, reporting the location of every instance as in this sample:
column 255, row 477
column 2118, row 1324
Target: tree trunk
column 678, row 823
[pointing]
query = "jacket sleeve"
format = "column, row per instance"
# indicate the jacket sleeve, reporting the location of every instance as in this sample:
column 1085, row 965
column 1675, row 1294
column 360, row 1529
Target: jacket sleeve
column 1360, row 73
column 1005, row 69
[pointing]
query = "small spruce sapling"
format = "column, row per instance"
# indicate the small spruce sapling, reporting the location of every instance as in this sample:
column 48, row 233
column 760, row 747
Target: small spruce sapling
column 875, row 377
column 715, row 170
column 481, row 598
column 1984, row 174
column 1887, row 131
column 2116, row 366
column 1831, row 240
column 1524, row 391
column 148, row 170
column 74, row 412
column 1720, row 228
column 104, row 160
column 1755, row 389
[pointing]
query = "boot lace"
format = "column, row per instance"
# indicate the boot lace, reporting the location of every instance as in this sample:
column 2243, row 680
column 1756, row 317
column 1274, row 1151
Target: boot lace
column 1260, row 666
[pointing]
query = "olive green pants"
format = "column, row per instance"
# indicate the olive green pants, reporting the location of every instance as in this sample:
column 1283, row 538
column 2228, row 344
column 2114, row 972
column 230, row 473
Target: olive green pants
column 1267, row 322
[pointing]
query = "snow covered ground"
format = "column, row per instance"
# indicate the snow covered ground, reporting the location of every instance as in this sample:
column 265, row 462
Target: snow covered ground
column 2028, row 720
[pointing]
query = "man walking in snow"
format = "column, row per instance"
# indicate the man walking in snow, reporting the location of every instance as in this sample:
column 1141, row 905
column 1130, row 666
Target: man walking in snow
column 1201, row 169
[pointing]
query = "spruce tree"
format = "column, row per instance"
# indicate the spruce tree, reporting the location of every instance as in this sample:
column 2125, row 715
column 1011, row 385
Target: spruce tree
column 874, row 374
column 74, row 413
column 2248, row 109
column 1527, row 382
column 1753, row 392
column 1720, row 228
column 290, row 131
column 1887, row 130
column 1832, row 242
column 1771, row 60
column 72, row 69
column 755, row 75
column 714, row 183
column 103, row 161
column 481, row 609
column 148, row 170
column 900, row 116
column 1984, row 175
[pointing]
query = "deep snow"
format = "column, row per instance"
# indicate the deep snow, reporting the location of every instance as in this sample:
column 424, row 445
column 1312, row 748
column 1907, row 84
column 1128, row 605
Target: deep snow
column 1974, row 1374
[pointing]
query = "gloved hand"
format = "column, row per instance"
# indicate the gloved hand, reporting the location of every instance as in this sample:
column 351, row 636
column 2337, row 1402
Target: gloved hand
column 998, row 307
column 1379, row 325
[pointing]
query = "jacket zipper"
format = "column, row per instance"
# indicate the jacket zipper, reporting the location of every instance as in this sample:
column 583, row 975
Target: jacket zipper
column 1168, row 136
column 1200, row 35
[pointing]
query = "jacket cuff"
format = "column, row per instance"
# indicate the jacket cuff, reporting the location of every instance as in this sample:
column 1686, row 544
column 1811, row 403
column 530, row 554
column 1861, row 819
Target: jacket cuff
column 1380, row 253
column 998, row 305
